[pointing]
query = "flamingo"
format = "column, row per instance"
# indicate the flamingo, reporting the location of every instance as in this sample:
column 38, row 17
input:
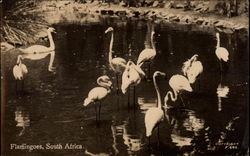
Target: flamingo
column 40, row 48
column 117, row 64
column 154, row 116
column 147, row 54
column 97, row 94
column 192, row 68
column 178, row 83
column 19, row 71
column 221, row 52
column 132, row 75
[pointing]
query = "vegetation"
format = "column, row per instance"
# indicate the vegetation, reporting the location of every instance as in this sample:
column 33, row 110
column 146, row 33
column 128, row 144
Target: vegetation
column 21, row 21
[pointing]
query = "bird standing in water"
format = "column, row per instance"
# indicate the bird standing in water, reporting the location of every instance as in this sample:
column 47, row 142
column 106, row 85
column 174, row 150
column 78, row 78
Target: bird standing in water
column 19, row 71
column 192, row 68
column 178, row 83
column 154, row 116
column 132, row 75
column 117, row 64
column 148, row 54
column 221, row 52
column 98, row 94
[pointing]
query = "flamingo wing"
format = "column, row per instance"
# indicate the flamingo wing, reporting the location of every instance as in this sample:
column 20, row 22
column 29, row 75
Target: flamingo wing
column 95, row 94
column 222, row 53
column 17, row 72
column 146, row 55
column 194, row 71
column 179, row 82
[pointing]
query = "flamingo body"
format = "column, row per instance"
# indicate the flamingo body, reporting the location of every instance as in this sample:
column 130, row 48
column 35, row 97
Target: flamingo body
column 153, row 117
column 179, row 82
column 96, row 94
column 222, row 54
column 132, row 75
column 194, row 71
column 146, row 55
column 99, row 93
column 19, row 71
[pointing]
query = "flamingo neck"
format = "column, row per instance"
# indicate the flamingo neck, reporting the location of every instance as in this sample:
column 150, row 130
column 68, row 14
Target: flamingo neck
column 158, row 93
column 173, row 97
column 51, row 41
column 110, row 49
column 218, row 42
column 19, row 59
column 103, row 84
column 152, row 41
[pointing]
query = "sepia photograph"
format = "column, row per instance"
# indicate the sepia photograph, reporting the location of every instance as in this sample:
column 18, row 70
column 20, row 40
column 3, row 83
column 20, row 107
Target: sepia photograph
column 124, row 77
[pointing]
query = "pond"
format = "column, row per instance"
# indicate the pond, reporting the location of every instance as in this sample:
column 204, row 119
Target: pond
column 50, row 109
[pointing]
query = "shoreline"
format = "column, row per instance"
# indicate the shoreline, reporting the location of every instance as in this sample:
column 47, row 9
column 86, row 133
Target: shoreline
column 74, row 12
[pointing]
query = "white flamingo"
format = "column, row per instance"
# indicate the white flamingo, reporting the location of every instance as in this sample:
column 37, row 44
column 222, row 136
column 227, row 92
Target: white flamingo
column 192, row 68
column 132, row 75
column 178, row 83
column 97, row 94
column 221, row 52
column 19, row 71
column 147, row 54
column 40, row 48
column 117, row 64
column 154, row 116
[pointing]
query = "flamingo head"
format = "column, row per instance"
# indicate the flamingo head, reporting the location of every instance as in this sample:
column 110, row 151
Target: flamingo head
column 51, row 29
column 195, row 57
column 217, row 35
column 105, row 81
column 110, row 29
column 86, row 102
column 158, row 73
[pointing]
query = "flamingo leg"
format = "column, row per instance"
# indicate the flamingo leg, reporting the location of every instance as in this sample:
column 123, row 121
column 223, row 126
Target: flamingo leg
column 182, row 100
column 95, row 113
column 149, row 63
column 134, row 96
column 149, row 140
column 158, row 134
column 23, row 85
column 199, row 84
column 117, row 83
column 16, row 86
column 220, row 67
column 100, row 106
column 128, row 95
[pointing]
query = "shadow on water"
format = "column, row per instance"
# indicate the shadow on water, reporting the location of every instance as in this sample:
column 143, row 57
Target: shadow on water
column 52, row 112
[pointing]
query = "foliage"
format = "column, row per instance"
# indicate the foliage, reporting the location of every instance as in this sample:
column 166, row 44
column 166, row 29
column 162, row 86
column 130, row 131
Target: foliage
column 21, row 21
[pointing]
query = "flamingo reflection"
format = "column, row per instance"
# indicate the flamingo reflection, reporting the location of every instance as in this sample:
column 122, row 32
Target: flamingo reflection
column 22, row 119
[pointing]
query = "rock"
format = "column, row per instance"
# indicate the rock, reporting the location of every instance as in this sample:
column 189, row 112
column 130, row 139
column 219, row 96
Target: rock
column 155, row 4
column 6, row 47
column 180, row 6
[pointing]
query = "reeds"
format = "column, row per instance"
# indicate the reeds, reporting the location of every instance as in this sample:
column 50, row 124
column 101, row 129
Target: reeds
column 21, row 21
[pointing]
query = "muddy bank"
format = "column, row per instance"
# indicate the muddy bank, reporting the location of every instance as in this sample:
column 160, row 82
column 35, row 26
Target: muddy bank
column 74, row 12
